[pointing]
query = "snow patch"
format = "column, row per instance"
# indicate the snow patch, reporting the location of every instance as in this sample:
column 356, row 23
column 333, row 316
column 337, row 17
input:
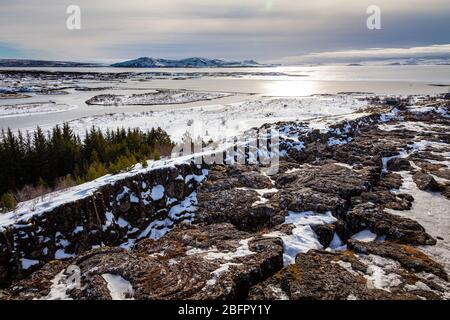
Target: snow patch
column 119, row 288
column 303, row 238
column 157, row 192
column 365, row 236
column 28, row 263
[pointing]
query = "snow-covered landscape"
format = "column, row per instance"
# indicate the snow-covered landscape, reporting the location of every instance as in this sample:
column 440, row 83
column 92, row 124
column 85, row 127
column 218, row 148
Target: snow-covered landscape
column 360, row 180
column 159, row 97
column 220, row 121
column 30, row 109
column 259, row 159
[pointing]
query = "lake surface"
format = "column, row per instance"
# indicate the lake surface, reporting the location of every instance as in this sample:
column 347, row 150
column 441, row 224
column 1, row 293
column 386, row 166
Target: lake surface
column 295, row 81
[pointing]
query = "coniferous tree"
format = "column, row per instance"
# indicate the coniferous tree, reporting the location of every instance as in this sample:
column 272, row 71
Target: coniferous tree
column 60, row 158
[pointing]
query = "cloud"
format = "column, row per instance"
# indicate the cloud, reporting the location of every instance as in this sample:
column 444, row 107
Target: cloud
column 260, row 29
column 345, row 56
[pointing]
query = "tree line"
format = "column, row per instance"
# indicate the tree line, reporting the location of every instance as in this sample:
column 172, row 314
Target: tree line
column 37, row 163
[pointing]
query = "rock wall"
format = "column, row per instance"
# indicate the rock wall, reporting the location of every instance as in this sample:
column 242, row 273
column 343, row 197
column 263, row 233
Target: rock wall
column 147, row 205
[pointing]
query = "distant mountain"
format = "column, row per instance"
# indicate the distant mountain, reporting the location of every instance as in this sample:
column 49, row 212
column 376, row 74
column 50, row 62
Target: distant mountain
column 146, row 62
column 42, row 63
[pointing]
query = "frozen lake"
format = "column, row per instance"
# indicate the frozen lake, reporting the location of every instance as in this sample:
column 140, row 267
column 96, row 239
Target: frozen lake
column 257, row 83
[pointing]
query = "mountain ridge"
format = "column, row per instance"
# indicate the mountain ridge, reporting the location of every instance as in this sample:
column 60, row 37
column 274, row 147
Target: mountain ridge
column 194, row 62
column 8, row 63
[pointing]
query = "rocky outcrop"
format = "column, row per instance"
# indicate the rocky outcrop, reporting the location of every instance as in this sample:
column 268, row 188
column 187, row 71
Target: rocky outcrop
column 323, row 227
column 396, row 228
column 115, row 214
column 318, row 275
column 192, row 262
column 322, row 275
column 399, row 164
column 427, row 182
column 326, row 179
column 409, row 257
column 325, row 233
column 241, row 196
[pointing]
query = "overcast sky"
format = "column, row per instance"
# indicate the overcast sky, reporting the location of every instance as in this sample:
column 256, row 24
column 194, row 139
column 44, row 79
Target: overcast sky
column 266, row 30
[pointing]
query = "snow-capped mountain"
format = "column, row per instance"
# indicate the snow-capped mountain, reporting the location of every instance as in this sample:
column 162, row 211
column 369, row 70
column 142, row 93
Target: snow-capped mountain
column 146, row 62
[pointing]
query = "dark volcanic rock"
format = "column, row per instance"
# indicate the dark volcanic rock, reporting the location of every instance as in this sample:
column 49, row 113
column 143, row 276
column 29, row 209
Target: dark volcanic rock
column 306, row 199
column 389, row 181
column 329, row 178
column 385, row 199
column 402, row 230
column 320, row 188
column 399, row 164
column 193, row 262
column 237, row 176
column 223, row 241
column 317, row 275
column 426, row 182
column 240, row 196
column 409, row 257
column 323, row 275
column 325, row 233
column 239, row 207
column 112, row 215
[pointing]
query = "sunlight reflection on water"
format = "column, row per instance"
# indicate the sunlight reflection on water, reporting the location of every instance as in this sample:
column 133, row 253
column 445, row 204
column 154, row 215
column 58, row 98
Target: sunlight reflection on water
column 291, row 88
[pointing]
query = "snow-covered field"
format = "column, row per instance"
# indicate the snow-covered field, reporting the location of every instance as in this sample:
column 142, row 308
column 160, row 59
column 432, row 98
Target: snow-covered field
column 30, row 109
column 212, row 122
column 158, row 97
column 220, row 121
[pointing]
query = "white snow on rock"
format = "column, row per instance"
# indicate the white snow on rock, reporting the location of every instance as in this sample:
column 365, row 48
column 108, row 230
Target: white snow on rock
column 185, row 209
column 60, row 285
column 157, row 192
column 365, row 236
column 332, row 141
column 121, row 222
column 422, row 109
column 261, row 193
column 336, row 244
column 412, row 147
column 119, row 288
column 378, row 273
column 417, row 126
column 218, row 272
column 157, row 229
column 278, row 293
column 28, row 263
column 61, row 254
column 78, row 229
column 109, row 220
column 121, row 195
column 214, row 254
column 303, row 238
column 391, row 115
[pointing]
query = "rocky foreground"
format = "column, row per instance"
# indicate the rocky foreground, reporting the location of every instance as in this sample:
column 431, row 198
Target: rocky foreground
column 336, row 222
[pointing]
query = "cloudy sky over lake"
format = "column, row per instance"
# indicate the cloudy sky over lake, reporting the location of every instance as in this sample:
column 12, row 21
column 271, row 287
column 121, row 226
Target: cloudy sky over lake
column 267, row 30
